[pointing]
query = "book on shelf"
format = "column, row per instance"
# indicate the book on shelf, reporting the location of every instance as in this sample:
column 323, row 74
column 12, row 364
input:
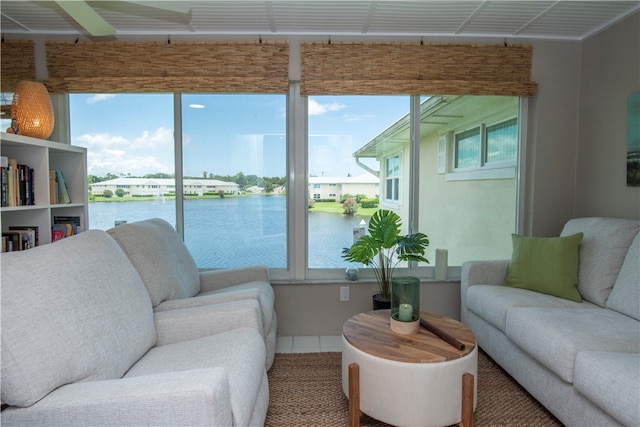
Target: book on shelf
column 18, row 240
column 62, row 190
column 4, row 176
column 64, row 226
column 34, row 228
column 58, row 232
column 53, row 188
column 16, row 183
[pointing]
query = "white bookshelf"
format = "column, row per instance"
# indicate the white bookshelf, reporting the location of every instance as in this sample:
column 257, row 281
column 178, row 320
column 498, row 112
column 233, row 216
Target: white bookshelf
column 42, row 156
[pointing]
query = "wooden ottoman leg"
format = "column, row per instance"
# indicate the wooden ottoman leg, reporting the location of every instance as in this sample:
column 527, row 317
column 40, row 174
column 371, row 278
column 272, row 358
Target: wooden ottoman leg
column 354, row 395
column 467, row 400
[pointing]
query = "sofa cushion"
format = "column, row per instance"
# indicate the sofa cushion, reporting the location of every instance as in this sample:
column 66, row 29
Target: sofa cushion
column 603, row 249
column 546, row 265
column 612, row 381
column 625, row 295
column 554, row 336
column 75, row 310
column 161, row 257
column 260, row 291
column 492, row 302
column 241, row 352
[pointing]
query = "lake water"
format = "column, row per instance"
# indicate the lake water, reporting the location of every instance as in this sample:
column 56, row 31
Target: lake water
column 233, row 232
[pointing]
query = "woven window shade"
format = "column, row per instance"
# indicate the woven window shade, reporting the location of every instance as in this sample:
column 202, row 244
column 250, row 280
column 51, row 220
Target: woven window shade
column 190, row 67
column 413, row 69
column 18, row 63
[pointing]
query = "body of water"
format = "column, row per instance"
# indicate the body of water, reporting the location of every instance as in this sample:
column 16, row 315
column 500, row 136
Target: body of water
column 233, row 232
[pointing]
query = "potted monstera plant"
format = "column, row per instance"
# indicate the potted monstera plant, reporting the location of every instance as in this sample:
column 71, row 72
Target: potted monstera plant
column 382, row 248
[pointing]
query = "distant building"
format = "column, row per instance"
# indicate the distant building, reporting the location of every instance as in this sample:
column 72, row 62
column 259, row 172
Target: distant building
column 326, row 187
column 163, row 186
column 254, row 189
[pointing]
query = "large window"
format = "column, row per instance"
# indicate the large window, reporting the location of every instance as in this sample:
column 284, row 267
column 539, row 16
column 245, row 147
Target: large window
column 130, row 155
column 234, row 159
column 446, row 164
column 344, row 190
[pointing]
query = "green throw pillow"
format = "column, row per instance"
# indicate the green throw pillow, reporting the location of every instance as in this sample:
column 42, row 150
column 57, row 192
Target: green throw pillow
column 546, row 264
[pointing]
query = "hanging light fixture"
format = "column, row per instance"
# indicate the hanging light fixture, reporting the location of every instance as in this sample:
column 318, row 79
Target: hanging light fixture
column 31, row 110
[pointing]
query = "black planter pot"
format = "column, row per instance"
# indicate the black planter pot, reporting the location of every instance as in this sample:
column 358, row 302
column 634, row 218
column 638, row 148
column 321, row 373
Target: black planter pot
column 380, row 303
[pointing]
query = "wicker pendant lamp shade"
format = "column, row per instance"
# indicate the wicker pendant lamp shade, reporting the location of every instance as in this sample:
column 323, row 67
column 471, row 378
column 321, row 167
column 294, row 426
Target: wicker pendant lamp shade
column 31, row 110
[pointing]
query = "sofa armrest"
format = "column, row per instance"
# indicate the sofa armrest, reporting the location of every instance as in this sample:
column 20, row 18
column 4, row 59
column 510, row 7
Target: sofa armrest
column 480, row 273
column 192, row 397
column 484, row 272
column 185, row 324
column 210, row 280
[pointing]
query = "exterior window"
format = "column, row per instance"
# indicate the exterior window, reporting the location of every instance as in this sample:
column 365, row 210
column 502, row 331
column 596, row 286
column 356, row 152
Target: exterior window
column 468, row 149
column 491, row 144
column 502, row 141
column 392, row 182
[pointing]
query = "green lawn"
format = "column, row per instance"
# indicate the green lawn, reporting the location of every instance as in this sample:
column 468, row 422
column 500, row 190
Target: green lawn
column 333, row 207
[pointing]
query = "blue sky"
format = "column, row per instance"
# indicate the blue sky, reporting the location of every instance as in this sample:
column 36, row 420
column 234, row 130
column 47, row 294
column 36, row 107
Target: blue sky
column 233, row 133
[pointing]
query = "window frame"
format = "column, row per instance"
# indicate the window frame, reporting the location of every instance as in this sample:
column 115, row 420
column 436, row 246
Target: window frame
column 297, row 270
column 504, row 169
column 395, row 180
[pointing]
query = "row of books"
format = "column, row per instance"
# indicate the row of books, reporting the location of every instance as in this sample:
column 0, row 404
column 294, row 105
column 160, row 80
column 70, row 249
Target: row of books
column 16, row 182
column 20, row 238
column 17, row 185
column 64, row 226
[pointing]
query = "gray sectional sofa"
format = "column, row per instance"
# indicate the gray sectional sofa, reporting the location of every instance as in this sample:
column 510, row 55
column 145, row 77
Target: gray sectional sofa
column 581, row 360
column 85, row 343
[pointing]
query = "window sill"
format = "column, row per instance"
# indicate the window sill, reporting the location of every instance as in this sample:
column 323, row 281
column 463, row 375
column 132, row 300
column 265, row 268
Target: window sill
column 478, row 174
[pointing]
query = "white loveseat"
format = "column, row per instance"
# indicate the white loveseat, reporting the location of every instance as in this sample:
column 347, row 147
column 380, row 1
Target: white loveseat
column 581, row 360
column 82, row 345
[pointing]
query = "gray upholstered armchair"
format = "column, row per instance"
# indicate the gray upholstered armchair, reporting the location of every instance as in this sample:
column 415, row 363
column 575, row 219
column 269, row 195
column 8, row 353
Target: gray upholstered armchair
column 174, row 281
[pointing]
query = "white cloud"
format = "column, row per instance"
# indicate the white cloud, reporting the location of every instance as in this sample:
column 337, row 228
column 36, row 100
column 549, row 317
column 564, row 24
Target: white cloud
column 150, row 152
column 99, row 97
column 357, row 118
column 317, row 109
column 162, row 137
column 101, row 140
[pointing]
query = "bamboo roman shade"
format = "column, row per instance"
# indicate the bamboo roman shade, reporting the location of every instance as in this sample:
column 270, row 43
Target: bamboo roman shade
column 196, row 67
column 405, row 68
column 18, row 63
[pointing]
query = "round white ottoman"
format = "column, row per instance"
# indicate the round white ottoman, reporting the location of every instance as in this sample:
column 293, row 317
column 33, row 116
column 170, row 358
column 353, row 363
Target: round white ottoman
column 415, row 390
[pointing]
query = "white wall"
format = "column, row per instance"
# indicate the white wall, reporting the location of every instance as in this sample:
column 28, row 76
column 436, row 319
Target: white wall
column 610, row 73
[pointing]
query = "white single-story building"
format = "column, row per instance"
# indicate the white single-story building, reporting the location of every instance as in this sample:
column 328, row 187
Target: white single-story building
column 163, row 186
column 327, row 187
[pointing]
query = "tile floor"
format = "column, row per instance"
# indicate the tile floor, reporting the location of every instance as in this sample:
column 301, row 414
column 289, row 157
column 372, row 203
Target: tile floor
column 309, row 344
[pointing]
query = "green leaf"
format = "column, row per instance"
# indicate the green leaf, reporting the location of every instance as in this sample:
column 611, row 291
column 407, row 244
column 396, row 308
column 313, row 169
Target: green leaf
column 412, row 247
column 384, row 226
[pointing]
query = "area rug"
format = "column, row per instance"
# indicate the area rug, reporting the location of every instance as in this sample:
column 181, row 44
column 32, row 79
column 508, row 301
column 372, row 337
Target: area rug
column 306, row 390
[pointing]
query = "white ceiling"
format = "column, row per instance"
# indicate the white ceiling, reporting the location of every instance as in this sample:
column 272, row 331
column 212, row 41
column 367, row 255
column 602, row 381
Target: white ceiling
column 281, row 19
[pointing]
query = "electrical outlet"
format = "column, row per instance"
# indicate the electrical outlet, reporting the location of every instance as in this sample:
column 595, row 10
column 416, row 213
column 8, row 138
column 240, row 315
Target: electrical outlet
column 344, row 293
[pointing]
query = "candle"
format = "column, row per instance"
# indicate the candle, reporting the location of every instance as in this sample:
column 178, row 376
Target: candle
column 406, row 313
column 441, row 264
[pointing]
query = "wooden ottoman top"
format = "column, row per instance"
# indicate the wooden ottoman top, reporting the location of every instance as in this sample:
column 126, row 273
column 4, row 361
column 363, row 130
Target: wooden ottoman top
column 371, row 333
